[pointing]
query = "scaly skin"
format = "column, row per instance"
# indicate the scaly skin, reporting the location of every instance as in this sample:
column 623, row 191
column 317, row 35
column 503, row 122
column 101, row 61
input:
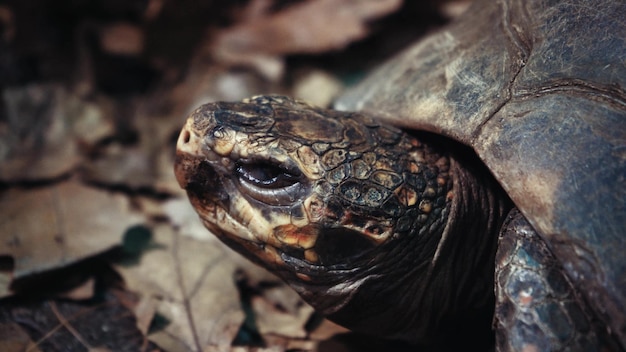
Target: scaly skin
column 537, row 306
column 382, row 232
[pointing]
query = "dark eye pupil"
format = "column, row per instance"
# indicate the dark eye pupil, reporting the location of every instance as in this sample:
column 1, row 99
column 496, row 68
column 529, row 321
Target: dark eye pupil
column 265, row 175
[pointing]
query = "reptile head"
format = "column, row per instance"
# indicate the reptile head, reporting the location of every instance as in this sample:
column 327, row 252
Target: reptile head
column 342, row 208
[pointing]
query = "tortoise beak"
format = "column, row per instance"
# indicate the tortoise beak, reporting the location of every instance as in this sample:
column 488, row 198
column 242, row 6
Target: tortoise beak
column 189, row 142
column 188, row 154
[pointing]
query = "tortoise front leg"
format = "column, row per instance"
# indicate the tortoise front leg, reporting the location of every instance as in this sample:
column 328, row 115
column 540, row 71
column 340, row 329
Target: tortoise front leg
column 537, row 308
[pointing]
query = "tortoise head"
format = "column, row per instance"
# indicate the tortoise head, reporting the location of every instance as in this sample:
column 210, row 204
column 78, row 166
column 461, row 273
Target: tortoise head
column 344, row 209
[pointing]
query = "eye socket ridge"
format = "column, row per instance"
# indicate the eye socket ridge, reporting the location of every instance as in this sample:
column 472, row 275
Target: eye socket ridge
column 267, row 175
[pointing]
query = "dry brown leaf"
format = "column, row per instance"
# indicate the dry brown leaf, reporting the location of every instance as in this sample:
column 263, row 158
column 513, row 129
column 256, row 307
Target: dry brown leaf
column 326, row 330
column 6, row 277
column 141, row 167
column 51, row 227
column 307, row 27
column 145, row 312
column 183, row 278
column 271, row 320
column 122, row 38
column 35, row 141
column 103, row 324
column 14, row 339
column 452, row 9
column 81, row 292
column 182, row 215
column 287, row 301
column 120, row 165
column 44, row 127
column 277, row 343
column 146, row 165
column 204, row 82
column 7, row 21
column 193, row 285
column 190, row 276
column 184, row 218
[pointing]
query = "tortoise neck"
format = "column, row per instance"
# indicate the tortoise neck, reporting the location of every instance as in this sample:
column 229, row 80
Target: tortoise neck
column 445, row 288
column 459, row 284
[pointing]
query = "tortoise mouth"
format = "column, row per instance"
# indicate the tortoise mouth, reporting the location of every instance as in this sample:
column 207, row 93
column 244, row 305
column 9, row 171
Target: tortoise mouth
column 290, row 262
column 213, row 186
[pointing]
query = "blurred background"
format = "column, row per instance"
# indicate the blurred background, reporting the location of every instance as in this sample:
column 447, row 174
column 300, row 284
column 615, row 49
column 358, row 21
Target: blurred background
column 99, row 248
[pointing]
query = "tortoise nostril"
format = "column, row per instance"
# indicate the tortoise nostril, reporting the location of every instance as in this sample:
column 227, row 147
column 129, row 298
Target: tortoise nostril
column 186, row 136
column 187, row 142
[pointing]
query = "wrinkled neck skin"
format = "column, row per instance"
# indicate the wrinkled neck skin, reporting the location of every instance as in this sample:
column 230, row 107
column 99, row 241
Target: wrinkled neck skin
column 437, row 289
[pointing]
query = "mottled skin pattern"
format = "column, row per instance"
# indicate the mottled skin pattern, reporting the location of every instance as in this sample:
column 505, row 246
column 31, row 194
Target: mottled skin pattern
column 356, row 216
column 384, row 232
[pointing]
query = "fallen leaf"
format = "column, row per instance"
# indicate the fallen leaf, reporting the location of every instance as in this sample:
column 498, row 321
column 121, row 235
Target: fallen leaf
column 122, row 38
column 81, row 292
column 305, row 27
column 452, row 9
column 145, row 312
column 144, row 165
column 50, row 227
column 103, row 121
column 35, row 141
column 181, row 214
column 271, row 320
column 102, row 324
column 184, row 218
column 277, row 343
column 326, row 330
column 44, row 130
column 5, row 282
column 119, row 165
column 192, row 280
column 7, row 20
column 192, row 283
column 14, row 339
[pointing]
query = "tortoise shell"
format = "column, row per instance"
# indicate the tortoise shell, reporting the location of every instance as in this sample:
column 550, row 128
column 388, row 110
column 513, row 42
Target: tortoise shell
column 537, row 89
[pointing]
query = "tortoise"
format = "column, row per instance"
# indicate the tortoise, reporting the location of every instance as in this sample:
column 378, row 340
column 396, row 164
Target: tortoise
column 470, row 187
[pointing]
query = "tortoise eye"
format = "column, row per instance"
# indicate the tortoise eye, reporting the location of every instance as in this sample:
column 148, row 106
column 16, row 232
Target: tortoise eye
column 270, row 184
column 266, row 176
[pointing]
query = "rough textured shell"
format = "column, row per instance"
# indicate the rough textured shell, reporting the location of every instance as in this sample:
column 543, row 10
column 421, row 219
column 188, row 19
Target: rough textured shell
column 537, row 88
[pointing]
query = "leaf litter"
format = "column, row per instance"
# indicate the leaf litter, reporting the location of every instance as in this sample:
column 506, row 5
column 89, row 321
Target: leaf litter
column 99, row 248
